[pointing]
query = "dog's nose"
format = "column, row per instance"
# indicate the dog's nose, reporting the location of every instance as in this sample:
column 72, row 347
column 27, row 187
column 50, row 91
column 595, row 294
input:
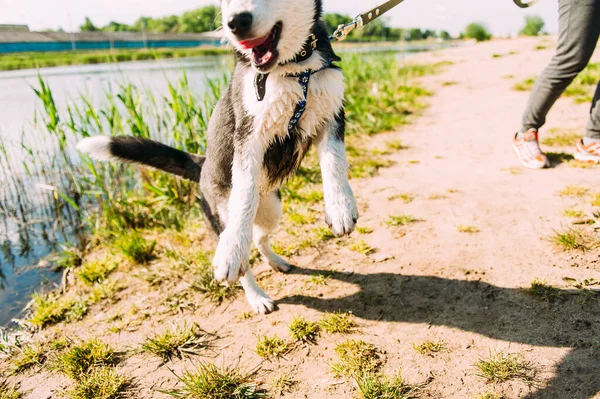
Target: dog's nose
column 240, row 24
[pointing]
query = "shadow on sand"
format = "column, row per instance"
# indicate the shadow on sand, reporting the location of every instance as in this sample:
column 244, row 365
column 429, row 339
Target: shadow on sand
column 500, row 313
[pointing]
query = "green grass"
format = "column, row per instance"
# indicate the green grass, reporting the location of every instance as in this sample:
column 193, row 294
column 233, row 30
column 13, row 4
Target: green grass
column 281, row 384
column 9, row 62
column 136, row 247
column 562, row 139
column 525, row 85
column 52, row 308
column 319, row 279
column 271, row 347
column 405, row 197
column 7, row 392
column 573, row 240
column 364, row 230
column 501, row 367
column 401, row 220
column 376, row 386
column 356, row 358
column 468, row 229
column 204, row 282
column 95, row 271
column 573, row 213
column 430, row 347
column 28, row 357
column 541, row 290
column 304, row 330
column 78, row 360
column 596, row 199
column 99, row 383
column 574, row 191
column 489, row 395
column 209, row 381
column 338, row 323
column 177, row 342
column 362, row 247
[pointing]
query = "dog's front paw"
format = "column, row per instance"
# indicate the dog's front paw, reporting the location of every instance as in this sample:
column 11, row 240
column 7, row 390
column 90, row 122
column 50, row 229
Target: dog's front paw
column 231, row 258
column 342, row 216
column 260, row 302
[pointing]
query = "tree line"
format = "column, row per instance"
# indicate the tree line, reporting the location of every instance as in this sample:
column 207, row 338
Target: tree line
column 207, row 19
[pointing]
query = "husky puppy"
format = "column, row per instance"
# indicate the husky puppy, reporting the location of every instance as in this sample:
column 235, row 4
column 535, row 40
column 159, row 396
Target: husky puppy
column 285, row 95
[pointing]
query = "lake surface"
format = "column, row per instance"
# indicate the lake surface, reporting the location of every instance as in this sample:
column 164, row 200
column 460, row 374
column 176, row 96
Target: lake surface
column 26, row 239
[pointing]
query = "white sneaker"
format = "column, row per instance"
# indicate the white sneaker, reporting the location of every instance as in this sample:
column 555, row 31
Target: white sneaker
column 588, row 153
column 527, row 148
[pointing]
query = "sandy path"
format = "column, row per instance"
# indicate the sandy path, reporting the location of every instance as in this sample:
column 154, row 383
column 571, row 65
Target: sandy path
column 436, row 283
column 463, row 143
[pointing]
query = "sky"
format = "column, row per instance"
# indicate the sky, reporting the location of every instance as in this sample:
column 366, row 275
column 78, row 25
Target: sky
column 502, row 17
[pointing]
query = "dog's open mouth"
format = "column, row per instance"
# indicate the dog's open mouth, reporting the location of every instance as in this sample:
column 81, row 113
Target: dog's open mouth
column 264, row 49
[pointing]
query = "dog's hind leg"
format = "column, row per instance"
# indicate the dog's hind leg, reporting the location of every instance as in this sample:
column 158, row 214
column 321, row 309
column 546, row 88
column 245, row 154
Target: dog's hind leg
column 258, row 300
column 267, row 220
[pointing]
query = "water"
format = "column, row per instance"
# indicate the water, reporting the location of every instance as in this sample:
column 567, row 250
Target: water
column 31, row 226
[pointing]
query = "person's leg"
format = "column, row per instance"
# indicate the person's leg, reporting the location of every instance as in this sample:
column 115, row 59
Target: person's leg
column 579, row 28
column 593, row 128
column 588, row 149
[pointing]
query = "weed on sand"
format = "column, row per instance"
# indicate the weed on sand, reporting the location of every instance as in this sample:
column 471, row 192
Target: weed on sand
column 76, row 361
column 356, row 358
column 209, row 381
column 100, row 383
column 177, row 342
column 271, row 347
column 501, row 367
column 338, row 323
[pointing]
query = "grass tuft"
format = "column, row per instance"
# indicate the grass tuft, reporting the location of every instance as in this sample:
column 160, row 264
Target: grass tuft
column 375, row 386
column 212, row 382
column 402, row 220
column 282, row 384
column 468, row 229
column 7, row 392
column 501, row 367
column 178, row 342
column 356, row 358
column 304, row 330
column 539, row 289
column 574, row 191
column 95, row 272
column 572, row 240
column 99, row 383
column 271, row 347
column 217, row 293
column 136, row 247
column 562, row 139
column 405, row 197
column 28, row 357
column 51, row 308
column 430, row 347
column 338, row 323
column 573, row 213
column 364, row 230
column 78, row 360
column 362, row 247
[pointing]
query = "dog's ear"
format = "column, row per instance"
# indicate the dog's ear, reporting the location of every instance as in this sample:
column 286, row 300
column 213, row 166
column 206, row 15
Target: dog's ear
column 318, row 9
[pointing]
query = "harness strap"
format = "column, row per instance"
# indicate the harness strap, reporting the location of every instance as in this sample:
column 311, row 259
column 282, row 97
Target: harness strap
column 303, row 80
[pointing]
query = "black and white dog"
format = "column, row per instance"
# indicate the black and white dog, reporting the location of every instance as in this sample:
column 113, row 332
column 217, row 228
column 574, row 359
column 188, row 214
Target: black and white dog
column 284, row 96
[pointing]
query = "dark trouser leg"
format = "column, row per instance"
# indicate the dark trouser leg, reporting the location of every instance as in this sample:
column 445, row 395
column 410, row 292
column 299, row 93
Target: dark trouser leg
column 579, row 28
column 593, row 128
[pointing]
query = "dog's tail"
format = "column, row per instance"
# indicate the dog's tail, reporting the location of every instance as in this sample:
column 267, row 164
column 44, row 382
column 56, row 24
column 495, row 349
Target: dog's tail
column 145, row 152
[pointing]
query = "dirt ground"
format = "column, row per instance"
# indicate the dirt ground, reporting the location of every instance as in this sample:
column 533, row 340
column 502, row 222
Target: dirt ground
column 427, row 280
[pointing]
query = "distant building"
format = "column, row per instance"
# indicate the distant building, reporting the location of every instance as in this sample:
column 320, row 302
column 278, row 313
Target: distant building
column 16, row 41
column 14, row 28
